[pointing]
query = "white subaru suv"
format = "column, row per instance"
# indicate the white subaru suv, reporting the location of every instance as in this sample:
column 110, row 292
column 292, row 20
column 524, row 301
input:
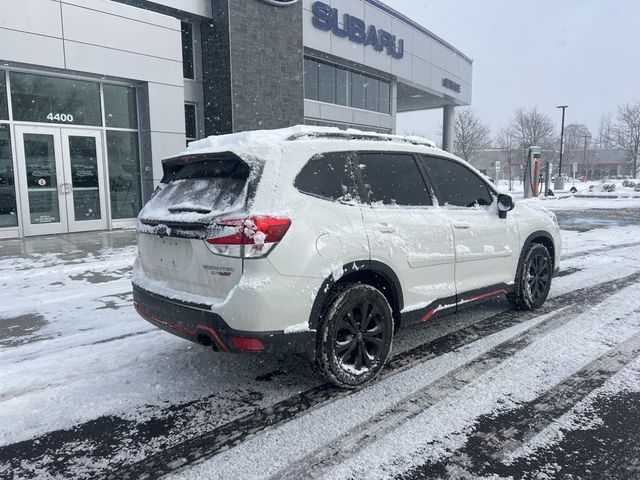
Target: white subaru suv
column 325, row 241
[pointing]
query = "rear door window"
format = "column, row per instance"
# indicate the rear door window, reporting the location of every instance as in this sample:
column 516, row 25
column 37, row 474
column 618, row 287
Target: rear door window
column 392, row 179
column 197, row 188
column 328, row 175
column 455, row 184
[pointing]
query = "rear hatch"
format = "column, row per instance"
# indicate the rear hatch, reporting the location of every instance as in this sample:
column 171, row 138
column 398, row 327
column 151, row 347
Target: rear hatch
column 174, row 259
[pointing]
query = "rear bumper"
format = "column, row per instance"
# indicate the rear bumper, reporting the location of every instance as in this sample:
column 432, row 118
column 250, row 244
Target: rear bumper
column 200, row 325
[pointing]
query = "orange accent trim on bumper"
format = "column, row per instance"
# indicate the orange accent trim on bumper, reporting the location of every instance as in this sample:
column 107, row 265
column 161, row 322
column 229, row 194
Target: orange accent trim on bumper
column 209, row 330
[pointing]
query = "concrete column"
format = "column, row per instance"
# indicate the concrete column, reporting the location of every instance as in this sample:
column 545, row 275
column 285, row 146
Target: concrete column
column 448, row 125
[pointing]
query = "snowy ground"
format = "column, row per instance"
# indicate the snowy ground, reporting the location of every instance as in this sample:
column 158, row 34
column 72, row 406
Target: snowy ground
column 88, row 389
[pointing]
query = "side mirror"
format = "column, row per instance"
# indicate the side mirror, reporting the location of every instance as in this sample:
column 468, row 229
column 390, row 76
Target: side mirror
column 505, row 204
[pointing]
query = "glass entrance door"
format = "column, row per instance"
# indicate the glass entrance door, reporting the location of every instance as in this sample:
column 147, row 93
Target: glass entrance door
column 61, row 180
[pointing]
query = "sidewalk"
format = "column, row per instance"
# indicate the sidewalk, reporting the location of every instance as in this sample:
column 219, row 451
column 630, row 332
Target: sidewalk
column 65, row 248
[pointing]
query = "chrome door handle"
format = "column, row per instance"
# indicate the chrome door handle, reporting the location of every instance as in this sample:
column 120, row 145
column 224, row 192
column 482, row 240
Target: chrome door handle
column 385, row 228
column 462, row 225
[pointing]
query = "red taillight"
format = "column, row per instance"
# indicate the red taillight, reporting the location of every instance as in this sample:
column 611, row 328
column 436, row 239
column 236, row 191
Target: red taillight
column 247, row 344
column 260, row 233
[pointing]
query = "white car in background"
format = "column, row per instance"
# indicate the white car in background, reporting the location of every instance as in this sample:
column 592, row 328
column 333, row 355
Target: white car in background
column 326, row 241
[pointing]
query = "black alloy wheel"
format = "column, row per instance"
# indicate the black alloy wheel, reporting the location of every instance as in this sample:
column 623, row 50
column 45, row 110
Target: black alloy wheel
column 538, row 276
column 533, row 280
column 355, row 336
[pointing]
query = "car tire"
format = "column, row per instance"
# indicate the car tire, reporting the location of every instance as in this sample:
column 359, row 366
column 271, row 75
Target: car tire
column 533, row 280
column 354, row 336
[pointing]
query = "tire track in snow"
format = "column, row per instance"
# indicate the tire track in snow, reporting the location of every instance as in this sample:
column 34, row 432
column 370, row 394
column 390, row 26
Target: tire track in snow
column 493, row 436
column 607, row 248
column 317, row 462
column 229, row 435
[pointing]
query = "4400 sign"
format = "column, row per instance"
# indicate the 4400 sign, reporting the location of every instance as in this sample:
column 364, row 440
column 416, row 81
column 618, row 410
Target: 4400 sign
column 60, row 117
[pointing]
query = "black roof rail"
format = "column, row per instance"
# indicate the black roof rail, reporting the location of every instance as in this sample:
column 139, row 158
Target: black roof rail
column 379, row 137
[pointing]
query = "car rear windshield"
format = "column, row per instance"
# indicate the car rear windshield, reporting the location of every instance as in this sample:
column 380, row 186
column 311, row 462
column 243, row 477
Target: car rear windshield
column 196, row 189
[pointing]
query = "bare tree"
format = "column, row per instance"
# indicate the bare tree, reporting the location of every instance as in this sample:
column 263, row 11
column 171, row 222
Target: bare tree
column 576, row 136
column 531, row 127
column 625, row 132
column 506, row 143
column 605, row 132
column 470, row 134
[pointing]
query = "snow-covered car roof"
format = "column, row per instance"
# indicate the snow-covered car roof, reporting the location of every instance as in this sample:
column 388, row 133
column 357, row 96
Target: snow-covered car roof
column 246, row 142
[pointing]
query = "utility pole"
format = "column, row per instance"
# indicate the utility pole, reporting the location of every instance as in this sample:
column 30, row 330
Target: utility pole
column 559, row 185
column 584, row 159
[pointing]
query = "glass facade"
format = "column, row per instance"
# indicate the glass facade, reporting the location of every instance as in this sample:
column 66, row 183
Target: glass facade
column 8, row 213
column 4, row 104
column 333, row 84
column 120, row 107
column 42, row 99
column 124, row 173
column 64, row 102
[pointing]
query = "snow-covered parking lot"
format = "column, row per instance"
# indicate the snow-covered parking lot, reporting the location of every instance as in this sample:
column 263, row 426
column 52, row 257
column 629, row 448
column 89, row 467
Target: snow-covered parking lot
column 88, row 389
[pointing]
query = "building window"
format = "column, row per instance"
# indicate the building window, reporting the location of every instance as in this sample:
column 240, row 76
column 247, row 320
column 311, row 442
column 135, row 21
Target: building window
column 8, row 214
column 190, row 122
column 124, row 173
column 344, row 126
column 120, row 107
column 187, row 51
column 342, row 86
column 4, row 104
column 385, row 97
column 358, row 90
column 38, row 98
column 373, row 93
column 326, row 83
column 310, row 79
column 333, row 84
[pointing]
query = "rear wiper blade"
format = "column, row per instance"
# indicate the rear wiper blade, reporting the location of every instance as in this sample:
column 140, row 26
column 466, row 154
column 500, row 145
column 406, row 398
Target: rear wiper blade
column 189, row 209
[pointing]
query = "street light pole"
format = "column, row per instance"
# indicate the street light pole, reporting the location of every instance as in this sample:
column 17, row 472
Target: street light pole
column 559, row 185
column 584, row 160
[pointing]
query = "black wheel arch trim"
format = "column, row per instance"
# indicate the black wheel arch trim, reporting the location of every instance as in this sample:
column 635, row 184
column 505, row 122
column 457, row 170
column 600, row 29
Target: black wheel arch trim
column 534, row 235
column 373, row 266
column 527, row 243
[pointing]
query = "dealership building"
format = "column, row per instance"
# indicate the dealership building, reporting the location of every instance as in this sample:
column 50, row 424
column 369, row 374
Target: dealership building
column 95, row 93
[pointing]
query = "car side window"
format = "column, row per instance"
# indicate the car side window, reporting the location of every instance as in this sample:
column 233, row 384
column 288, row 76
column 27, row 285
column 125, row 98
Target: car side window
column 455, row 184
column 392, row 179
column 328, row 175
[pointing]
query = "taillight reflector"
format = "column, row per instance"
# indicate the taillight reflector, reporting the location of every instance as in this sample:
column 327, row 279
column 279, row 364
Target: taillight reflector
column 247, row 344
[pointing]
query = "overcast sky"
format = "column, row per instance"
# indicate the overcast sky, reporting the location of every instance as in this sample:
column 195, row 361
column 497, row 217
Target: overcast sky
column 582, row 53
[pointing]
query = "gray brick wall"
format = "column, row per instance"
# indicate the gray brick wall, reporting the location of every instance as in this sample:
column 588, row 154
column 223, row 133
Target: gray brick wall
column 216, row 71
column 266, row 65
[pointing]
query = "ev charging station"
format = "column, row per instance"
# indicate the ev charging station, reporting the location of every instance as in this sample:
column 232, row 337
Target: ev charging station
column 532, row 173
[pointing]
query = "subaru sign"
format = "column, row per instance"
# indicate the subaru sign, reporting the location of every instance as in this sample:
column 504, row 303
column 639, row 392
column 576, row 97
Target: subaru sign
column 326, row 18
